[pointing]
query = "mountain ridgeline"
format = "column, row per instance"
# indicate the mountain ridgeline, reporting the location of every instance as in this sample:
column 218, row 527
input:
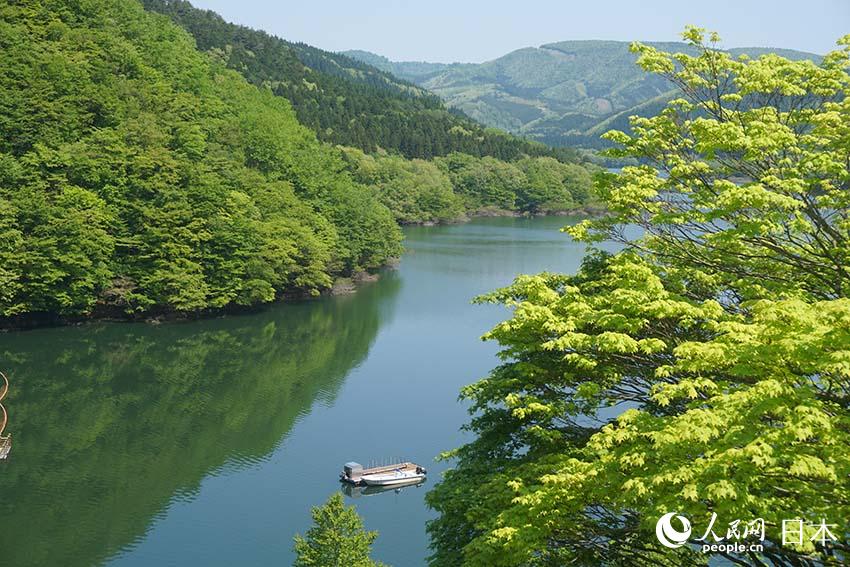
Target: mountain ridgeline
column 344, row 100
column 138, row 174
column 565, row 93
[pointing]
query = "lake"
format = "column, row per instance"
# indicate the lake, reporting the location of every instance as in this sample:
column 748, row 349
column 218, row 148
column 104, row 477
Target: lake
column 207, row 442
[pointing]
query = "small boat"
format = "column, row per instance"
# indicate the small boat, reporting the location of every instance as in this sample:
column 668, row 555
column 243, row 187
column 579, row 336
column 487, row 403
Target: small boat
column 385, row 475
column 398, row 476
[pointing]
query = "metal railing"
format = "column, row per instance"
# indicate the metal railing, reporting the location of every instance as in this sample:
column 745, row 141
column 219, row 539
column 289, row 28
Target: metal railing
column 5, row 441
column 4, row 389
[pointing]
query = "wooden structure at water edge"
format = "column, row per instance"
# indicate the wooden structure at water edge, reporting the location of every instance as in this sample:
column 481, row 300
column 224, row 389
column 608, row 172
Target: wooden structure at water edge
column 5, row 441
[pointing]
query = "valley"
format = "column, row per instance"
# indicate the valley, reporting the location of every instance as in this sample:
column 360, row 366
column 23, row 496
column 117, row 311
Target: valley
column 563, row 94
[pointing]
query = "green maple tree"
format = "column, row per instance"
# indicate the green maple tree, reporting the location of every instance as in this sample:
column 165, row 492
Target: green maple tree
column 705, row 368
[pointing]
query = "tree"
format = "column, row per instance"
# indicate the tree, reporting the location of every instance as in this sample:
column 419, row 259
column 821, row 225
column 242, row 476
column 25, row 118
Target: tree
column 486, row 182
column 703, row 369
column 745, row 177
column 136, row 173
column 415, row 191
column 552, row 185
column 337, row 538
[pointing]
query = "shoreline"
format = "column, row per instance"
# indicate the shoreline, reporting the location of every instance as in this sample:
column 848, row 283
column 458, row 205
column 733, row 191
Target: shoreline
column 342, row 285
column 586, row 212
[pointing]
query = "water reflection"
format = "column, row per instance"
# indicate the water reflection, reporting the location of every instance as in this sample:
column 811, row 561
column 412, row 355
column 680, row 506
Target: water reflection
column 353, row 491
column 113, row 421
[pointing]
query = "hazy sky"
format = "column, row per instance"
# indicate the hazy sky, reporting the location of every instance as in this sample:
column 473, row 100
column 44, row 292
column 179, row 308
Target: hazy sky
column 474, row 31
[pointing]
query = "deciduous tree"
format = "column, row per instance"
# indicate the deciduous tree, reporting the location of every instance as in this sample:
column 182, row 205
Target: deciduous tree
column 702, row 370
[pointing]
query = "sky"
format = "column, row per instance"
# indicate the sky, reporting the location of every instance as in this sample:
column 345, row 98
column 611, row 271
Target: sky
column 475, row 31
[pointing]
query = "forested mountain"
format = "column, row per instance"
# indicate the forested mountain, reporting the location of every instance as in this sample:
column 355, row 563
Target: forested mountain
column 345, row 101
column 424, row 163
column 565, row 93
column 138, row 174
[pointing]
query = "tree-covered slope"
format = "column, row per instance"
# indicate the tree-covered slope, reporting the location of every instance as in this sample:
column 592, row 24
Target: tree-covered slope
column 138, row 174
column 558, row 93
column 345, row 101
column 394, row 121
column 449, row 188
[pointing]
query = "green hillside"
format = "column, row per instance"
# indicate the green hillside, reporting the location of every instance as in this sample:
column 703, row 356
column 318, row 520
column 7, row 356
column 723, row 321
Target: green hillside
column 137, row 174
column 564, row 93
column 427, row 164
column 345, row 101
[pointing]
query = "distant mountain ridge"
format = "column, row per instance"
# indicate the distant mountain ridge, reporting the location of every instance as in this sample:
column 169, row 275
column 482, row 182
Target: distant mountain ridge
column 345, row 100
column 562, row 93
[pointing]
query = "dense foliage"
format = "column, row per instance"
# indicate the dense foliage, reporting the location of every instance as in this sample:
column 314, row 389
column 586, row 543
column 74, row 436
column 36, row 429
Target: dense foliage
column 336, row 539
column 343, row 100
column 563, row 94
column 137, row 174
column 367, row 110
column 704, row 369
column 448, row 188
column 415, row 191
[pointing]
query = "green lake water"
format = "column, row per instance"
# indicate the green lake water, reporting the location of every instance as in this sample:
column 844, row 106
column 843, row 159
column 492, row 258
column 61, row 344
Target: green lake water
column 207, row 442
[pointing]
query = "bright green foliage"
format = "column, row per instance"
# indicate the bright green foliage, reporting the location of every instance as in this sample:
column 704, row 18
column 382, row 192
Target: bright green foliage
column 137, row 174
column 757, row 176
column 337, row 538
column 729, row 413
column 533, row 184
column 486, row 182
column 445, row 189
column 552, row 185
column 416, row 191
column 703, row 370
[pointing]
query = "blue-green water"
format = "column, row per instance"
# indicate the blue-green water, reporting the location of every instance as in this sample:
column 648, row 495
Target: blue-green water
column 206, row 443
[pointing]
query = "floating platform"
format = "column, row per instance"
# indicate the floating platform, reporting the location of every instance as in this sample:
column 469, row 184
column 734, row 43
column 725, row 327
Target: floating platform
column 353, row 473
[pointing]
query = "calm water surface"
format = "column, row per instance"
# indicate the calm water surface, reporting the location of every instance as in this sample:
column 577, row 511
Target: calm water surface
column 206, row 443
